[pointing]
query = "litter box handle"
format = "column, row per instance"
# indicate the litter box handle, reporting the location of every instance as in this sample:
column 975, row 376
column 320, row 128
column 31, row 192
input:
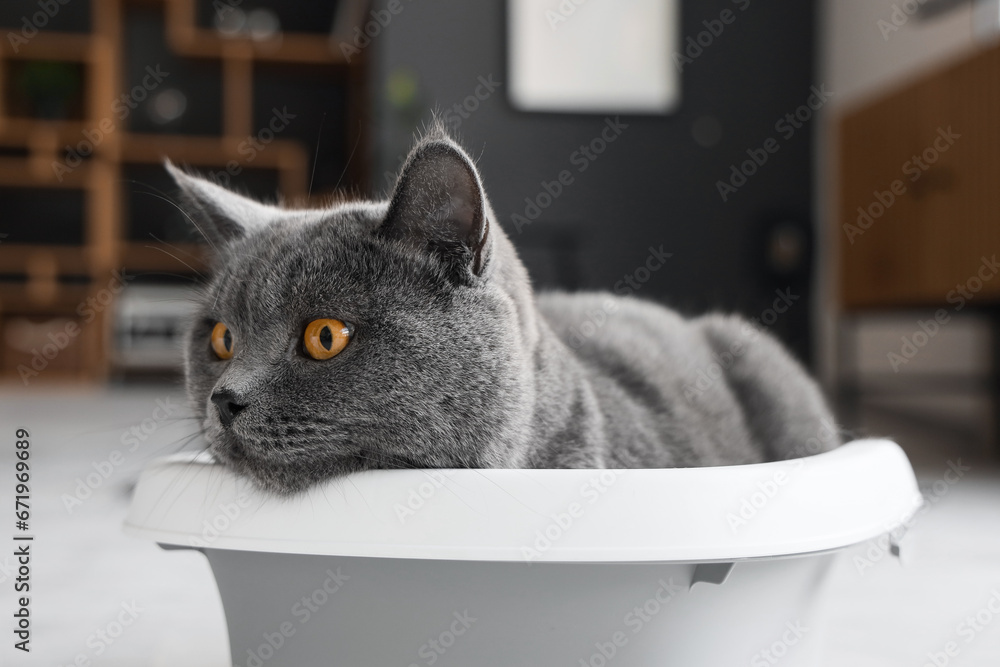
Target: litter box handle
column 711, row 573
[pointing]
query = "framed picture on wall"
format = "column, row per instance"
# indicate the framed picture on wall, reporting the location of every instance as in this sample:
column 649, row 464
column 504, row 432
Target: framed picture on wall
column 593, row 56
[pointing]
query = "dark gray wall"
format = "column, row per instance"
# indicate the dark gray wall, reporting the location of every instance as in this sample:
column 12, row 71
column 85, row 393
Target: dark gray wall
column 654, row 185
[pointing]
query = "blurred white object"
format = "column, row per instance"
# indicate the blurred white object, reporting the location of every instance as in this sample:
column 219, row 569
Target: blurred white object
column 168, row 105
column 149, row 324
column 986, row 20
column 263, row 24
column 229, row 21
column 536, row 566
column 613, row 56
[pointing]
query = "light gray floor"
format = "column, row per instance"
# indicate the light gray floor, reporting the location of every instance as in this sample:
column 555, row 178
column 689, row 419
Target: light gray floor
column 85, row 569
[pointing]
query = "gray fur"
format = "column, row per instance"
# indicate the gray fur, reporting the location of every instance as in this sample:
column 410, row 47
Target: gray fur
column 455, row 362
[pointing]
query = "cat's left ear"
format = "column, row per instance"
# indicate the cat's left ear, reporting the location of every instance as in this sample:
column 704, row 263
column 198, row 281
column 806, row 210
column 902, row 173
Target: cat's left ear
column 220, row 214
column 439, row 207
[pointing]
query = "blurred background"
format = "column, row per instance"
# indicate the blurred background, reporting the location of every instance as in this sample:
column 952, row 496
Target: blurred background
column 828, row 168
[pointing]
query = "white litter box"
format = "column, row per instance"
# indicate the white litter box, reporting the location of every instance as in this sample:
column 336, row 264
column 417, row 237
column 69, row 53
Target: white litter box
column 490, row 568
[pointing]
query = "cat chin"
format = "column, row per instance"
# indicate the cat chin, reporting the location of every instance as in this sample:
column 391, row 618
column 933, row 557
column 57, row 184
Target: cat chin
column 289, row 479
column 277, row 474
column 268, row 477
column 236, row 452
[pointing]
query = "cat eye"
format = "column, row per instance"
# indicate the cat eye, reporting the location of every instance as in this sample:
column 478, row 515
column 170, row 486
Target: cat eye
column 222, row 341
column 326, row 338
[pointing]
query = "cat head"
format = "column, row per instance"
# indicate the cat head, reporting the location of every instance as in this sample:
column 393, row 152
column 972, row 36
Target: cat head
column 363, row 335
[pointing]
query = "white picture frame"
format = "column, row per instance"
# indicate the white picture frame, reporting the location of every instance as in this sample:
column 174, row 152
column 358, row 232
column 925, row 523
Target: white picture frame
column 594, row 56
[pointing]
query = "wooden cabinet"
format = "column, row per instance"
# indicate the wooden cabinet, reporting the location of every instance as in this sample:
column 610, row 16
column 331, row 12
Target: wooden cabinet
column 919, row 204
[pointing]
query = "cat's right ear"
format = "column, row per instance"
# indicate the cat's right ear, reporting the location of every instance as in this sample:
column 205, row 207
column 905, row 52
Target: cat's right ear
column 219, row 214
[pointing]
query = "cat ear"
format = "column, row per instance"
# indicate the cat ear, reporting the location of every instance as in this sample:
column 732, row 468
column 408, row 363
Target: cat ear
column 219, row 214
column 439, row 207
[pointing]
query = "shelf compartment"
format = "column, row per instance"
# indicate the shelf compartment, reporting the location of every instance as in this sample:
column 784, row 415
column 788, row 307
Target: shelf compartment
column 171, row 94
column 71, row 17
column 189, row 38
column 50, row 90
column 295, row 20
column 43, row 216
column 318, row 97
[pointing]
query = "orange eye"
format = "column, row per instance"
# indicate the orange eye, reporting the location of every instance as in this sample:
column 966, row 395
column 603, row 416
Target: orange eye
column 222, row 341
column 326, row 338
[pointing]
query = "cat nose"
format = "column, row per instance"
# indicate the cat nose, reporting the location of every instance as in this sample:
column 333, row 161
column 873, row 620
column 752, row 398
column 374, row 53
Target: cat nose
column 226, row 403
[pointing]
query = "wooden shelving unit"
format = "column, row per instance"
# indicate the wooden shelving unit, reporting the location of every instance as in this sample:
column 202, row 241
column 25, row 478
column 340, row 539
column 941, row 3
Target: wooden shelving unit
column 45, row 284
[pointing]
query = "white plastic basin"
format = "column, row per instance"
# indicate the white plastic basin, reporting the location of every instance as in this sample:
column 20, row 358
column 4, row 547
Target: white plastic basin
column 530, row 567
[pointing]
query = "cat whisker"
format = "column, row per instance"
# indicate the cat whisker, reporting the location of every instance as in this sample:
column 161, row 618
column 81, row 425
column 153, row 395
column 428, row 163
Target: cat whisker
column 172, row 255
column 179, row 208
column 180, row 250
column 346, row 164
column 319, row 135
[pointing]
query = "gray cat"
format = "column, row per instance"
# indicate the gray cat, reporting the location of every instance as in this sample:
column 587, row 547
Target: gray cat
column 406, row 334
